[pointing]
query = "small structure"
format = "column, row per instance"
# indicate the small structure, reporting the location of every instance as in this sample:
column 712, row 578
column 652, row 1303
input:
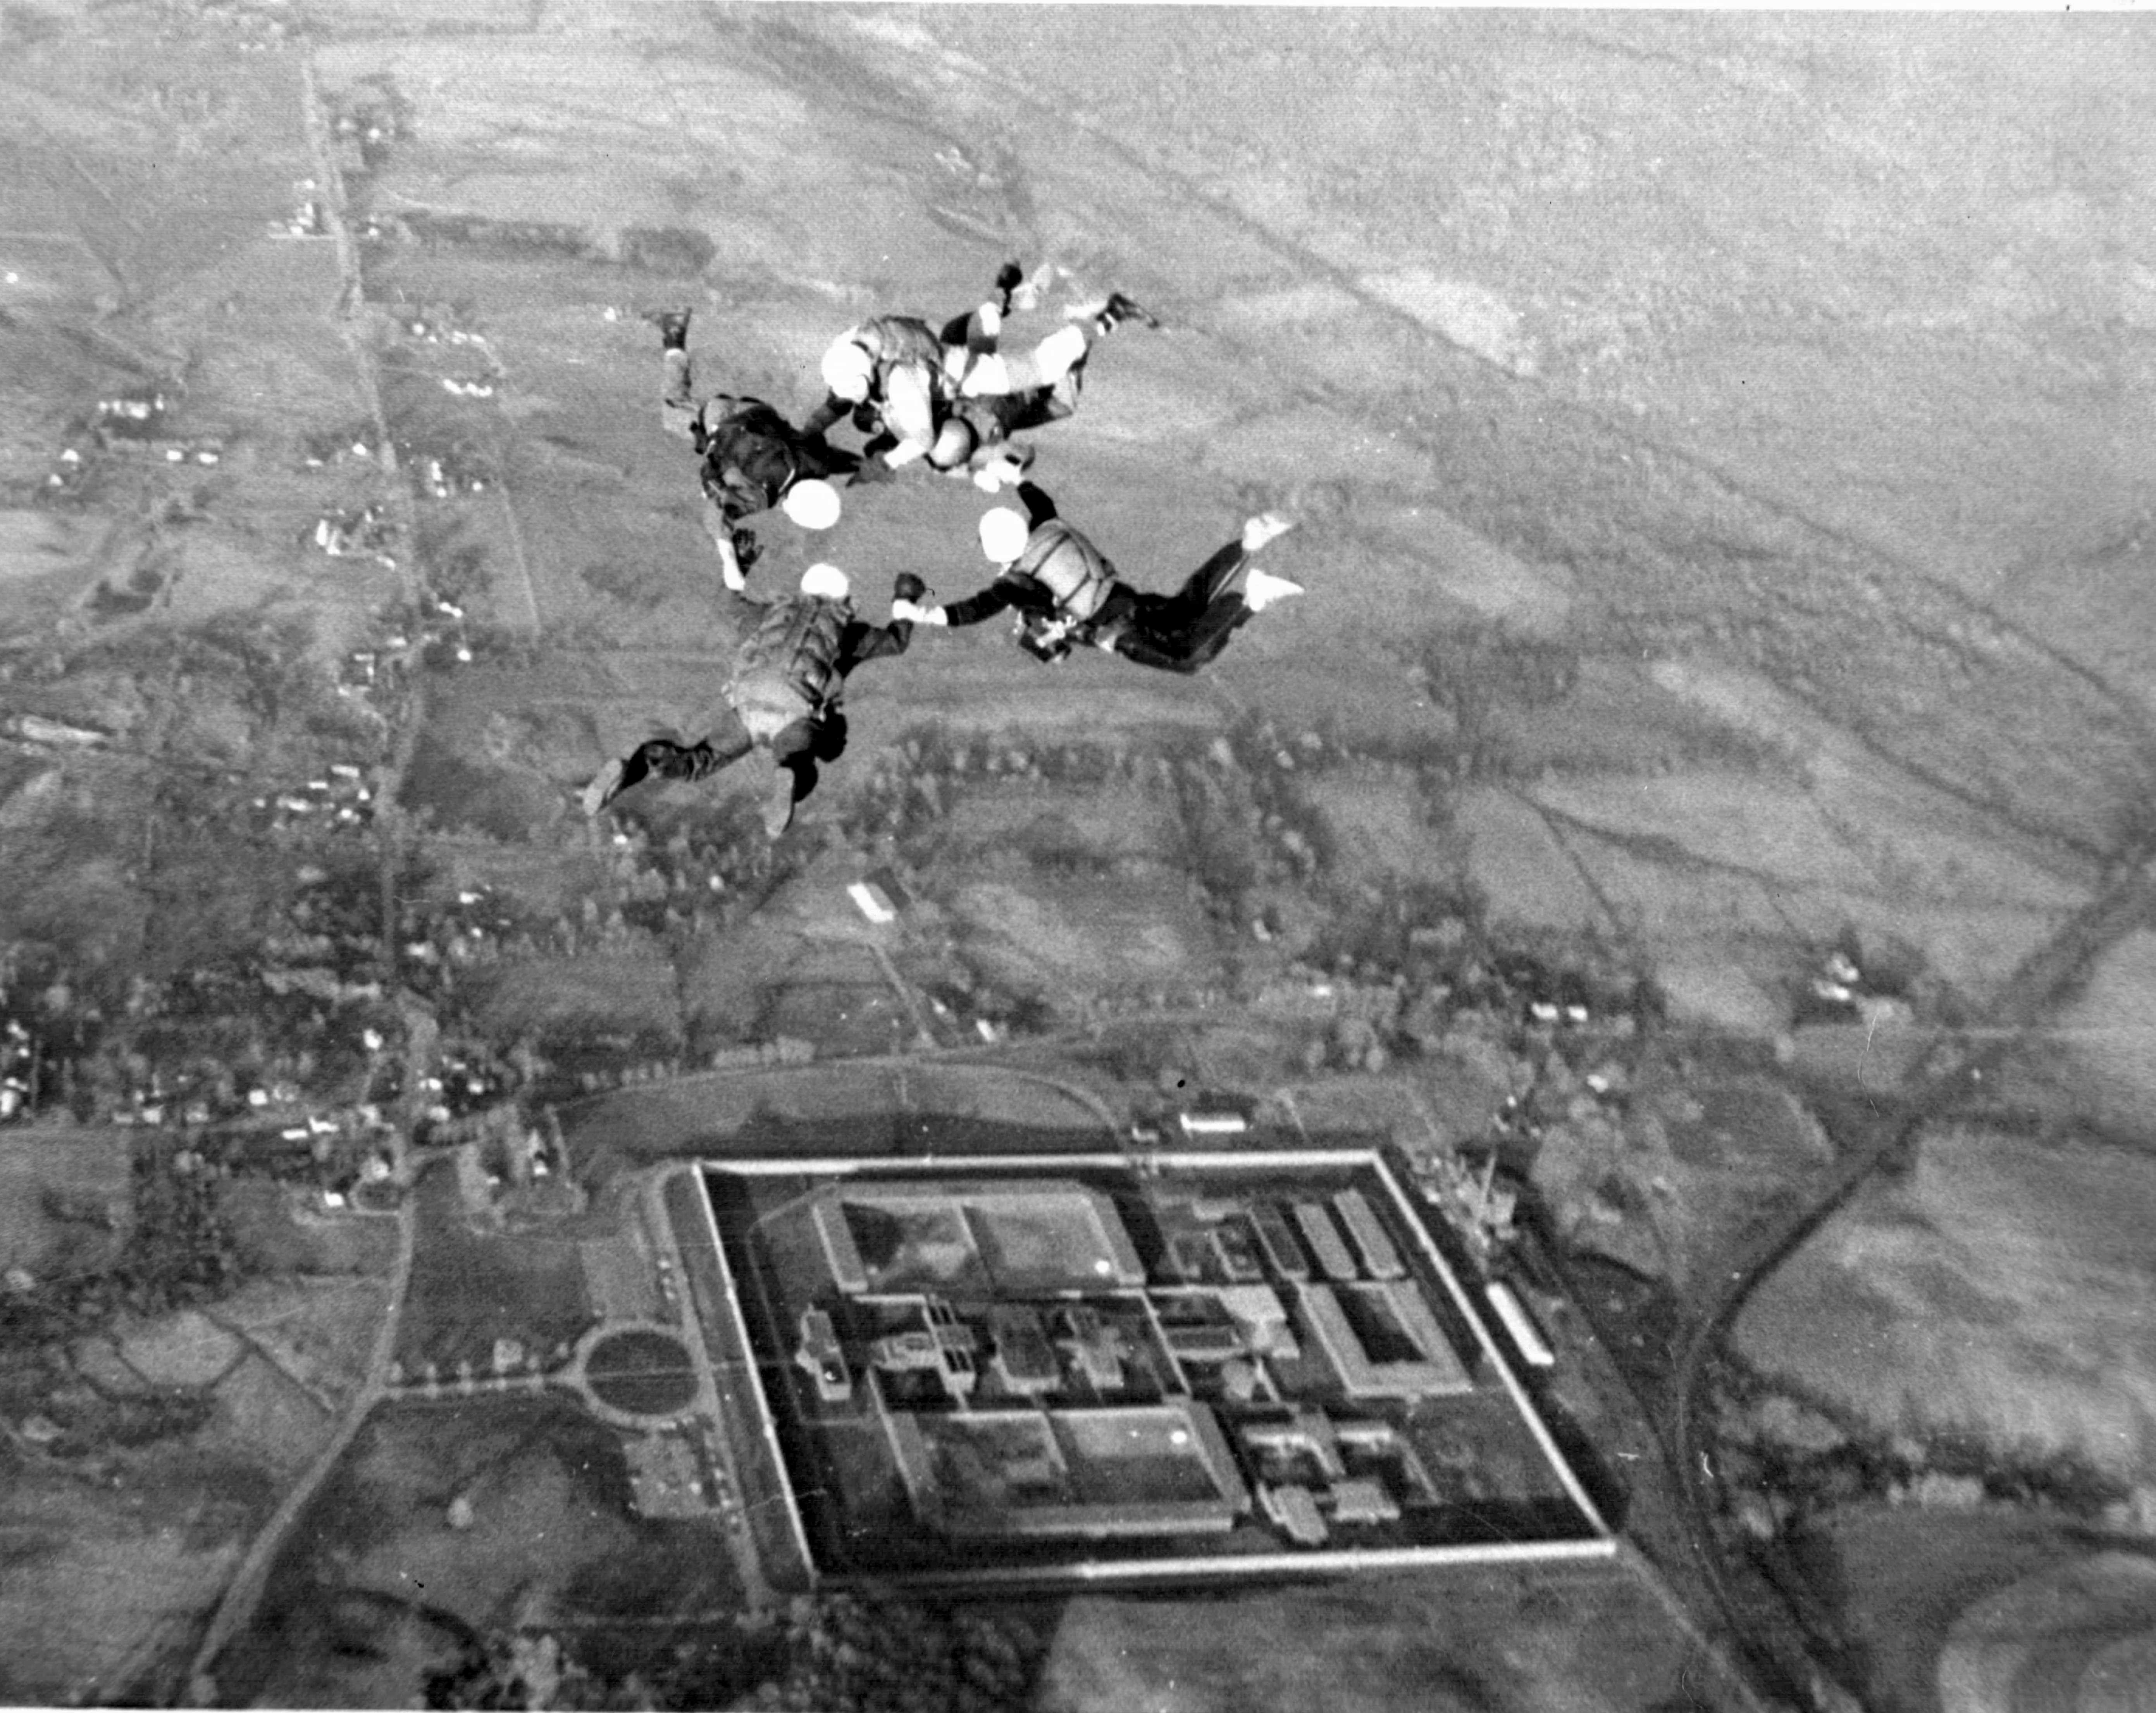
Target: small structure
column 1024, row 1361
column 1292, row 1509
column 873, row 902
column 1526, row 1337
column 1262, row 1318
column 1362, row 1498
column 943, row 1345
column 1095, row 1347
column 819, row 1357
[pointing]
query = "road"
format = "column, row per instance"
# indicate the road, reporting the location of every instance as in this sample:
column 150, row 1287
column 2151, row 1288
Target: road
column 1940, row 1080
column 244, row 1593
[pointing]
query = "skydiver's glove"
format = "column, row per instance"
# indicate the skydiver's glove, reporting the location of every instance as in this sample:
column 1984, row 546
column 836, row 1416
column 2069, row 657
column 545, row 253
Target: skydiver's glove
column 1048, row 640
column 1009, row 278
column 906, row 587
column 872, row 470
column 1000, row 472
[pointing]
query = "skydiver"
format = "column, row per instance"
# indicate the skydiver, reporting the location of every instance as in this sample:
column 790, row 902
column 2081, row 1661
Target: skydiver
column 752, row 458
column 786, row 690
column 1067, row 593
column 896, row 373
column 974, row 438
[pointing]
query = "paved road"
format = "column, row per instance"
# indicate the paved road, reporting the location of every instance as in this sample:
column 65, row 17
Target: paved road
column 244, row 1591
column 1945, row 1077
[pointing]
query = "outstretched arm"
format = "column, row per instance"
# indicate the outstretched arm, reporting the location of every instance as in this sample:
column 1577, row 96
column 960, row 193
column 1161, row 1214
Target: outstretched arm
column 1005, row 593
column 1039, row 509
column 861, row 642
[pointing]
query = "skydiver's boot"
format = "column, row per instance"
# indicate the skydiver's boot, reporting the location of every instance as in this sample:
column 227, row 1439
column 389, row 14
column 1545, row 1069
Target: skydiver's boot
column 1262, row 589
column 1119, row 309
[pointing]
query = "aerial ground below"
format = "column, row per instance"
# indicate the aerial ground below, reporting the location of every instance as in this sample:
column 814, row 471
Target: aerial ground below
column 1697, row 813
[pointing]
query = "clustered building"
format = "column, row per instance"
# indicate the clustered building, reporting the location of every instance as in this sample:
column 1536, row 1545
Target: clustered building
column 1020, row 1364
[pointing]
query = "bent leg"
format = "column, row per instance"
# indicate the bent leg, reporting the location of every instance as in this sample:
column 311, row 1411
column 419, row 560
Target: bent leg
column 662, row 758
column 1204, row 585
column 795, row 749
column 1046, row 364
column 1207, row 638
column 1165, row 635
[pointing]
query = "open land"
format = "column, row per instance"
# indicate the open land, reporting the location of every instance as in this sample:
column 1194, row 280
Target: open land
column 1696, row 815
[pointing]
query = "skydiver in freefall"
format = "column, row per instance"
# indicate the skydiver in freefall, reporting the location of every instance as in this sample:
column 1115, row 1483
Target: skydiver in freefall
column 751, row 457
column 786, row 690
column 1067, row 593
column 903, row 381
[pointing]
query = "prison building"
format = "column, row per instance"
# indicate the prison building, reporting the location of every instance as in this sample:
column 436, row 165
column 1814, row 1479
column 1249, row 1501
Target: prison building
column 1366, row 1233
column 819, row 1355
column 1323, row 1237
column 1096, row 1473
column 1276, row 1240
column 1024, row 1361
column 1382, row 1340
column 1526, row 1337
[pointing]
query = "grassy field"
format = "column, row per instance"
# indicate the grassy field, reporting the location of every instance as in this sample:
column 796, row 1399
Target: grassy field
column 552, row 1541
column 469, row 1290
column 1459, row 1644
column 2002, row 1293
column 1903, row 1580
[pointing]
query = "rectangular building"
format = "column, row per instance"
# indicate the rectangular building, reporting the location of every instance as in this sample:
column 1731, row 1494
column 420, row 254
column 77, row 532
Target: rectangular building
column 1276, row 1241
column 1381, row 1340
column 1380, row 1259
column 1318, row 1231
column 1085, row 1474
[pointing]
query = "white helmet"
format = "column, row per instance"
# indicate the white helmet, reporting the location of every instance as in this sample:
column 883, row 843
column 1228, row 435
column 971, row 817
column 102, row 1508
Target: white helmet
column 955, row 442
column 1003, row 534
column 826, row 582
column 812, row 503
column 848, row 369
